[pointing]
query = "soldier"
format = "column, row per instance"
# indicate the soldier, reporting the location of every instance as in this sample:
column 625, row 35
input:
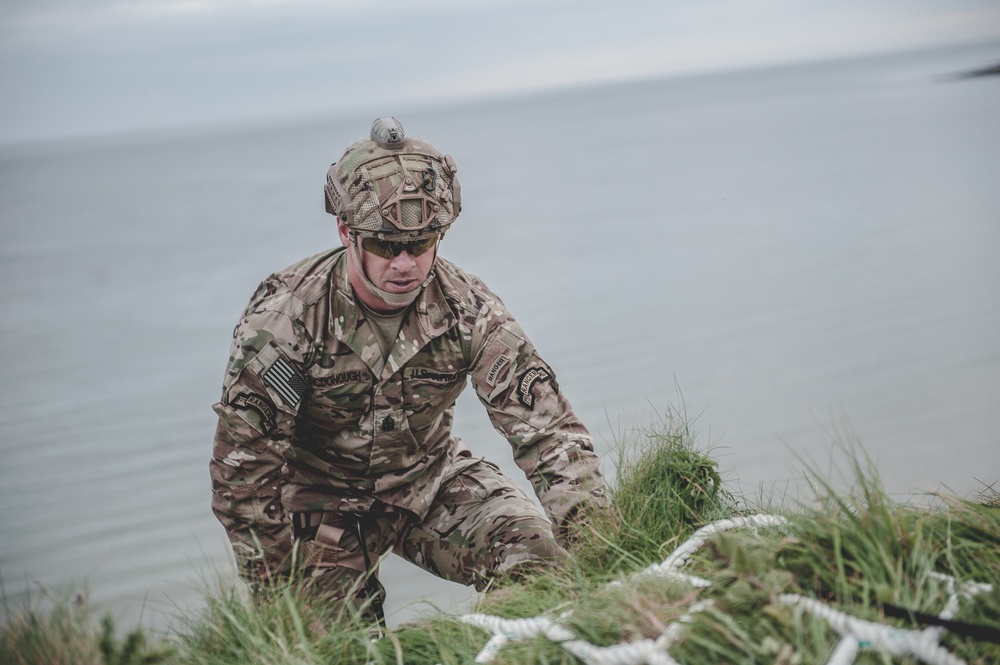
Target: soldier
column 335, row 437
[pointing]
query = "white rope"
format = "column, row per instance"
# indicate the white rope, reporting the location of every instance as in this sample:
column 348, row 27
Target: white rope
column 670, row 567
column 850, row 644
column 845, row 652
column 652, row 652
column 697, row 540
column 856, row 633
column 507, row 630
column 966, row 590
column 648, row 651
column 922, row 644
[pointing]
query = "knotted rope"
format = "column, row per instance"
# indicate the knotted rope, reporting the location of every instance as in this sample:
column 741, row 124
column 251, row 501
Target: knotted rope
column 922, row 644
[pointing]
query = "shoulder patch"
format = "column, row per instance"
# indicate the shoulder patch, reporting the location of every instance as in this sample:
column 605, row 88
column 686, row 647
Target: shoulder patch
column 496, row 370
column 286, row 382
column 259, row 405
column 527, row 384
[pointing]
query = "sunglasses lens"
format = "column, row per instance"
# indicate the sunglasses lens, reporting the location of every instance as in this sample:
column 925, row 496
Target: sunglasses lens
column 418, row 247
column 388, row 249
column 377, row 247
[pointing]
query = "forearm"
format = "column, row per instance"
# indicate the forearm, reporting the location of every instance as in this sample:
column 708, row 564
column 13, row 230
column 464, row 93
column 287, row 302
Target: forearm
column 246, row 498
column 564, row 472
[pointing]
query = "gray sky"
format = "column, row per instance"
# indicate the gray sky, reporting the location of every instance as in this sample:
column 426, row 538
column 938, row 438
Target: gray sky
column 77, row 67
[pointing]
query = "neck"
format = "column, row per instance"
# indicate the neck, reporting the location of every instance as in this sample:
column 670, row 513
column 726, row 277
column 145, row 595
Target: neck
column 374, row 298
column 372, row 301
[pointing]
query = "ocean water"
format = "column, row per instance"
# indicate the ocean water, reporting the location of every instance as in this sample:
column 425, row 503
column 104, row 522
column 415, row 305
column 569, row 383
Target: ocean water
column 797, row 258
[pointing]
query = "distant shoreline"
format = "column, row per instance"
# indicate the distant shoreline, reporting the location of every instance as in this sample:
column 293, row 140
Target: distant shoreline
column 993, row 70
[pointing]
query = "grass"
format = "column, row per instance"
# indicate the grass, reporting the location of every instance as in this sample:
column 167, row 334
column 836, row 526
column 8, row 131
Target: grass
column 61, row 629
column 856, row 550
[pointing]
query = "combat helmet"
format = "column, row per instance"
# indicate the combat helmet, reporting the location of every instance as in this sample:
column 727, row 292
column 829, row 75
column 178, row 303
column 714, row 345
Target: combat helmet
column 393, row 186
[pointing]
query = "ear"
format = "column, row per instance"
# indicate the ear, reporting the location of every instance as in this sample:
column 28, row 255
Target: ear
column 344, row 233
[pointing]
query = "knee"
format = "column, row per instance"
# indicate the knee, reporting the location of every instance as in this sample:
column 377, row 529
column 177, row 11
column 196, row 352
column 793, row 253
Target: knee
column 344, row 592
column 523, row 544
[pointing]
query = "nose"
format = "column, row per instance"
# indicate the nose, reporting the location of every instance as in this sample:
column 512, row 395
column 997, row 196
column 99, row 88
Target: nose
column 403, row 262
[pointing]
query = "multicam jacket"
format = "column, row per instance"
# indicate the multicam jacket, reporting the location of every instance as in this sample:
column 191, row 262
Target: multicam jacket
column 313, row 419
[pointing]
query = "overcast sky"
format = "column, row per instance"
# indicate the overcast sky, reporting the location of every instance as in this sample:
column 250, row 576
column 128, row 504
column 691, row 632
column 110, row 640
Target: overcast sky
column 77, row 67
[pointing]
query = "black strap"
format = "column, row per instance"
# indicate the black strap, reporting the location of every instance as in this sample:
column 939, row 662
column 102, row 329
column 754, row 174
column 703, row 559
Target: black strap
column 371, row 584
column 975, row 631
column 305, row 525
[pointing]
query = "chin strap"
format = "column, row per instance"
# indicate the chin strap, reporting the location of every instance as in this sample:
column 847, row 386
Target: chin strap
column 399, row 300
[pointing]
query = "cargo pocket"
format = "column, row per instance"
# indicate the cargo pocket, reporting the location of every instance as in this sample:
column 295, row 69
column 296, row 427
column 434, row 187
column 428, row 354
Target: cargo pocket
column 477, row 484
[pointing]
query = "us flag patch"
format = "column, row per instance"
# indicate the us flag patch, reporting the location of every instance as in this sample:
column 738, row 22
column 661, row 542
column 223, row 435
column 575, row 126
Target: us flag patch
column 286, row 382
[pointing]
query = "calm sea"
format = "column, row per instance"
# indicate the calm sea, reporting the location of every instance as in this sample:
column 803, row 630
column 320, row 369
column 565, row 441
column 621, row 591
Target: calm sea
column 798, row 257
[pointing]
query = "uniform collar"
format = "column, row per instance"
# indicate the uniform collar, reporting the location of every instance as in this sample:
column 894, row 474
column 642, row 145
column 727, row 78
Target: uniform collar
column 427, row 318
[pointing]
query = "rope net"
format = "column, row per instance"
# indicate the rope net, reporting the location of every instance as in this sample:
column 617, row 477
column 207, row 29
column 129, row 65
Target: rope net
column 856, row 633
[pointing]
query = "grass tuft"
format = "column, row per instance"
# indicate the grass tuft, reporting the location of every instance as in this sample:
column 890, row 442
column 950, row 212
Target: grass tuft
column 60, row 629
column 663, row 489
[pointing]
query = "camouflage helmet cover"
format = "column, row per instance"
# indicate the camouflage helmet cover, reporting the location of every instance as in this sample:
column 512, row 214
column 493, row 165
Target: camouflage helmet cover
column 392, row 185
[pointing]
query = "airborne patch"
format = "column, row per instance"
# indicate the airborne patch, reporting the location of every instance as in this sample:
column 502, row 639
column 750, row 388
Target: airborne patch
column 259, row 405
column 527, row 384
column 286, row 382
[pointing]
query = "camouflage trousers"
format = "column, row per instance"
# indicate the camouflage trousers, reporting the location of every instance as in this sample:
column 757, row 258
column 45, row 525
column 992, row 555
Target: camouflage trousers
column 481, row 526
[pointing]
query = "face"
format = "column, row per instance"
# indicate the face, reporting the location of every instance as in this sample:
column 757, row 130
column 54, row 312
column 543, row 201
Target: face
column 401, row 273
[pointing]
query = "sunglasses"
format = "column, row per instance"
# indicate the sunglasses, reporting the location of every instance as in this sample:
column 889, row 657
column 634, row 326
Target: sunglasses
column 388, row 249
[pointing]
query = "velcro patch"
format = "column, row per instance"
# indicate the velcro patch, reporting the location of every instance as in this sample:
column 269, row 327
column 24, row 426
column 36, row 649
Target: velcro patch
column 527, row 384
column 432, row 375
column 286, row 382
column 259, row 405
column 496, row 370
column 340, row 378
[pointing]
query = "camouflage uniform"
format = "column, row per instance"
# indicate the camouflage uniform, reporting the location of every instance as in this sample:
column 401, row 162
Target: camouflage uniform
column 315, row 427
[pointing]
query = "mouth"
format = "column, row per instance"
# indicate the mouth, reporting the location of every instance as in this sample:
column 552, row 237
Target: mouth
column 401, row 285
